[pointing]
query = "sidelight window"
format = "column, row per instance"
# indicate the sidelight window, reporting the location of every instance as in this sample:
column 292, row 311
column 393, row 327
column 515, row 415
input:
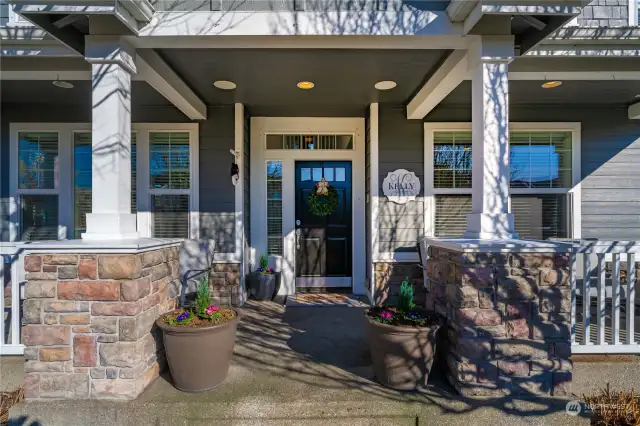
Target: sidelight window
column 274, row 207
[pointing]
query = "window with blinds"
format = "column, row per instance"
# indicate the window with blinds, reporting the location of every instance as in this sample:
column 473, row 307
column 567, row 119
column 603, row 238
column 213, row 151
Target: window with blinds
column 452, row 160
column 451, row 215
column 170, row 181
column 537, row 217
column 540, row 161
column 81, row 181
column 540, row 217
column 170, row 216
column 274, row 207
column 537, row 159
column 37, row 154
column 169, row 161
column 37, row 185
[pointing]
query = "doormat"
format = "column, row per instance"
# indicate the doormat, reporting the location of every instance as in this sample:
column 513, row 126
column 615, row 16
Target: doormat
column 327, row 299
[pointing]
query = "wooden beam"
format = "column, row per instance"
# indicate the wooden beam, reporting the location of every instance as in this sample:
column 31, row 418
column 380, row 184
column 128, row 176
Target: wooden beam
column 155, row 71
column 446, row 78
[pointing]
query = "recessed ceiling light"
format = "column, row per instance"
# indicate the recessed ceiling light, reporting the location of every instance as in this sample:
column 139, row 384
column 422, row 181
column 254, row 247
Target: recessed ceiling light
column 551, row 84
column 385, row 85
column 62, row 84
column 305, row 85
column 224, row 84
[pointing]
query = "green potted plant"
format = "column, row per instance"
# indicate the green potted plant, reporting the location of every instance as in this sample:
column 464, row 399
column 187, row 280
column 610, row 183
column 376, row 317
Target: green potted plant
column 264, row 281
column 198, row 342
column 402, row 341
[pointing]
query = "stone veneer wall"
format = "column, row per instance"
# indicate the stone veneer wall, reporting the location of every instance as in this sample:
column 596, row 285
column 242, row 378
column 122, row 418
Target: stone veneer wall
column 389, row 277
column 224, row 285
column 508, row 318
column 89, row 322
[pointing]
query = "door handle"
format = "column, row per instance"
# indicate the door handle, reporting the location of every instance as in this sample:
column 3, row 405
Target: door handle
column 298, row 238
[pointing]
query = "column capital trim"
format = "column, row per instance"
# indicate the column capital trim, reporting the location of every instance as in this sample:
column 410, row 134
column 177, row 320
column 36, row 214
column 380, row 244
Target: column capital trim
column 110, row 50
column 491, row 50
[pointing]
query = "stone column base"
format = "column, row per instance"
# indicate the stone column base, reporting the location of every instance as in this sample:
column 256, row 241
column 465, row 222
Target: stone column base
column 508, row 318
column 89, row 322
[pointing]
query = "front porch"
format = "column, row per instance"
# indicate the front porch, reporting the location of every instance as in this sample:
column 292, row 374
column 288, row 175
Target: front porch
column 310, row 365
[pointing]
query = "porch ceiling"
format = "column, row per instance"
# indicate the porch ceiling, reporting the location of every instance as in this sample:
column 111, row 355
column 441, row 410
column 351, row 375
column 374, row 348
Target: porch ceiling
column 266, row 78
column 44, row 92
column 572, row 92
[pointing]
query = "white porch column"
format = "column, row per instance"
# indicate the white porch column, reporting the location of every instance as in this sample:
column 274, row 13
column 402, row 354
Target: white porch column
column 112, row 63
column 488, row 66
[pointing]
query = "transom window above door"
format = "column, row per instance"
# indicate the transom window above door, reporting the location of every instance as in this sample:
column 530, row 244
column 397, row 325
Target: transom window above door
column 309, row 142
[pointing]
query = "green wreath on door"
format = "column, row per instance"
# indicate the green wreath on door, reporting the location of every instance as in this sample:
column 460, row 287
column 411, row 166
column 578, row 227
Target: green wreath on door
column 323, row 201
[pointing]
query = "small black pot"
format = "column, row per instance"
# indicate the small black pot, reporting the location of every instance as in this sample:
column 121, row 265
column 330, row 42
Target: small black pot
column 264, row 286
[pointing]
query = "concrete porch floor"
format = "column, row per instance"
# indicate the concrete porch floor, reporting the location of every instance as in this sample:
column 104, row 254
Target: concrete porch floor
column 301, row 366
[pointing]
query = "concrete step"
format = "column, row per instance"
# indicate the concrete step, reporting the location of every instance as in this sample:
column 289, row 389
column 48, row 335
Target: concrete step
column 268, row 411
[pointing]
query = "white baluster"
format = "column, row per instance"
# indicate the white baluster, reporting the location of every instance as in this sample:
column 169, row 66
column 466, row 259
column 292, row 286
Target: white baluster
column 601, row 298
column 15, row 299
column 586, row 299
column 615, row 301
column 631, row 297
column 573, row 296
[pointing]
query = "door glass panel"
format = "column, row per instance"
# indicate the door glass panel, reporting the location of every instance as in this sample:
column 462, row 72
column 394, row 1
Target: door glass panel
column 317, row 174
column 328, row 174
column 340, row 174
column 305, row 174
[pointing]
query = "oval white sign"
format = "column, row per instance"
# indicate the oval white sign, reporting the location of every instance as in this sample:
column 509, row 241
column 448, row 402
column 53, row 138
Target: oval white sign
column 401, row 186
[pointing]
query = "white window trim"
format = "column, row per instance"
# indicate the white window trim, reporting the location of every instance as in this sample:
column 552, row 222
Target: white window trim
column 574, row 212
column 16, row 20
column 65, row 173
column 634, row 5
column 143, row 130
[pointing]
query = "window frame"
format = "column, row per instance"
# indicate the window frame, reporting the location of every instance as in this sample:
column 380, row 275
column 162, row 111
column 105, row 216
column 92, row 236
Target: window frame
column 309, row 133
column 16, row 20
column 574, row 210
column 266, row 192
column 147, row 192
column 66, row 170
column 634, row 13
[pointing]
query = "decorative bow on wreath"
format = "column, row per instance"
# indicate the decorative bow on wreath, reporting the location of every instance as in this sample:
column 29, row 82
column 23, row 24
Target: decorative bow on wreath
column 324, row 200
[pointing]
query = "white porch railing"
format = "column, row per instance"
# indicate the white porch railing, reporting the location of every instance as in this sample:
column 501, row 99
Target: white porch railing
column 11, row 279
column 605, row 303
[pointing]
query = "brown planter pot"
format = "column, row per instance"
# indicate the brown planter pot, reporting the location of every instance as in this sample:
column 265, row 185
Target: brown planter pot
column 199, row 358
column 402, row 356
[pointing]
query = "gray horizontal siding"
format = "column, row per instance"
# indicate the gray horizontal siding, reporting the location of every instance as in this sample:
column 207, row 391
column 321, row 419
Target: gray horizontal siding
column 401, row 146
column 217, row 194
